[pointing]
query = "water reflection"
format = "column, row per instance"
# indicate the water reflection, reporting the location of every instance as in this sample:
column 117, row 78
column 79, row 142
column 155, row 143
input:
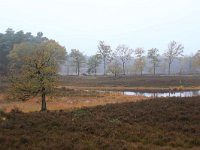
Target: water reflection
column 167, row 94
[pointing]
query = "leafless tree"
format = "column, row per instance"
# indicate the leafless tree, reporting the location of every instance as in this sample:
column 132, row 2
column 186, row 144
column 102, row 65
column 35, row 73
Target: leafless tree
column 153, row 55
column 174, row 50
column 114, row 67
column 140, row 59
column 93, row 63
column 78, row 59
column 105, row 52
column 124, row 53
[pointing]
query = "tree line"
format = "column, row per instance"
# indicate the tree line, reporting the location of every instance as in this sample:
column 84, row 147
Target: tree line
column 114, row 61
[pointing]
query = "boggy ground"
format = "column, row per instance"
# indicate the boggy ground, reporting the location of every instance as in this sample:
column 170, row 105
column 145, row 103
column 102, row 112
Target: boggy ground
column 66, row 99
column 133, row 83
column 159, row 124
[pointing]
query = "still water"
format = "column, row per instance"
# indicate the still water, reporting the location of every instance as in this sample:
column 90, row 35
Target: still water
column 167, row 94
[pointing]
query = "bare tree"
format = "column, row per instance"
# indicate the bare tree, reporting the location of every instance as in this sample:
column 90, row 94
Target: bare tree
column 153, row 55
column 197, row 58
column 106, row 52
column 115, row 67
column 124, row 53
column 78, row 59
column 196, row 61
column 140, row 59
column 174, row 50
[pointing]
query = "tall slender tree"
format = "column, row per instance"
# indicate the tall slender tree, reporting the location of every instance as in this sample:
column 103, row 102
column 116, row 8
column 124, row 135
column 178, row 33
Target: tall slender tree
column 153, row 55
column 196, row 60
column 140, row 59
column 124, row 54
column 105, row 52
column 93, row 63
column 78, row 59
column 174, row 50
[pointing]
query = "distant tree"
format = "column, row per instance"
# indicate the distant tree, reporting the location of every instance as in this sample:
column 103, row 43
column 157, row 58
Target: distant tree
column 153, row 55
column 39, row 35
column 93, row 63
column 197, row 58
column 38, row 72
column 105, row 52
column 140, row 59
column 114, row 67
column 10, row 32
column 20, row 52
column 174, row 50
column 7, row 42
column 124, row 53
column 185, row 65
column 77, row 59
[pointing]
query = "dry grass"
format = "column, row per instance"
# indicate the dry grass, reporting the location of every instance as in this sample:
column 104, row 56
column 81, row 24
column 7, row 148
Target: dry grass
column 136, row 89
column 61, row 101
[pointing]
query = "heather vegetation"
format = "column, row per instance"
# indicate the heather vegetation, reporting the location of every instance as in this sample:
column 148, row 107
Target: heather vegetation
column 162, row 124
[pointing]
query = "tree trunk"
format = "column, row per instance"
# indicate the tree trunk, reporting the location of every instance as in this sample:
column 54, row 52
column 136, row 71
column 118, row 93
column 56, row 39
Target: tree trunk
column 95, row 70
column 154, row 69
column 104, row 62
column 44, row 107
column 124, row 68
column 76, row 70
column 78, row 67
column 169, row 69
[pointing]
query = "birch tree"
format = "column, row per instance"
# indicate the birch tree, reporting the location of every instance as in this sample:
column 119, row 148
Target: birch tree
column 105, row 52
column 174, row 50
column 77, row 59
column 124, row 54
column 139, row 59
column 153, row 55
column 93, row 63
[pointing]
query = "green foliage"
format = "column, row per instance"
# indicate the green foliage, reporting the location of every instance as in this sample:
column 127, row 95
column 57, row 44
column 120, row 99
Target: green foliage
column 105, row 52
column 153, row 55
column 21, row 52
column 77, row 59
column 196, row 61
column 9, row 39
column 93, row 63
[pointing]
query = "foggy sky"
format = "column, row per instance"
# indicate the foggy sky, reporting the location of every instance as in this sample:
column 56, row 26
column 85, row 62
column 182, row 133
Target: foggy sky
column 82, row 23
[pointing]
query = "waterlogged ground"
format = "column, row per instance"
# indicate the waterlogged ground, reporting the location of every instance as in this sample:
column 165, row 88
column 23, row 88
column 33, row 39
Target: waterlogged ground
column 67, row 99
column 76, row 92
column 164, row 94
column 158, row 124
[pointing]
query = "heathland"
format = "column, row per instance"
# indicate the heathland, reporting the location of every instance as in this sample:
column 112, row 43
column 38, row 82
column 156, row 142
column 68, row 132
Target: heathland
column 81, row 117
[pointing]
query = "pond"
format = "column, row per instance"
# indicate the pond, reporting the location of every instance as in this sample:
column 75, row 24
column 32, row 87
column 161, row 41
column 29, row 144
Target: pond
column 166, row 94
